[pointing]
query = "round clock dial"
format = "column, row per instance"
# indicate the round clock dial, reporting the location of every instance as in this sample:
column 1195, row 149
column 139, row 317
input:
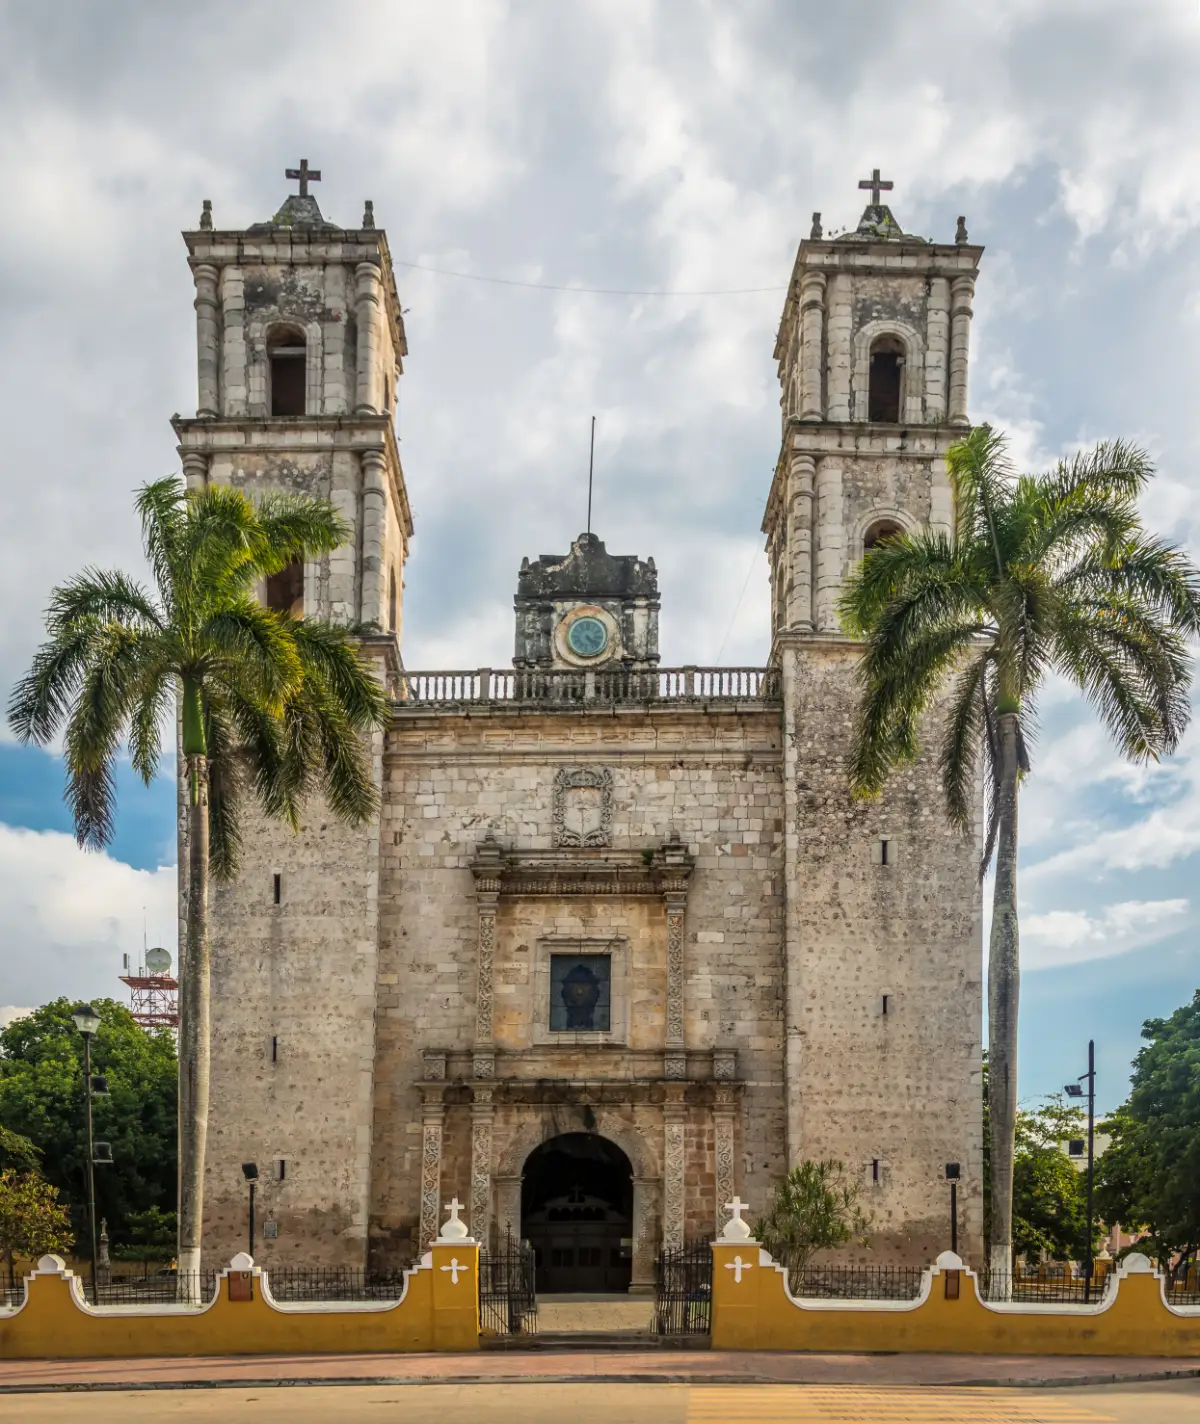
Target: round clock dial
column 587, row 637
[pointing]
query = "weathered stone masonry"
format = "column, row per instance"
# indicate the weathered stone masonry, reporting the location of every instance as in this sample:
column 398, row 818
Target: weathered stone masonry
column 780, row 986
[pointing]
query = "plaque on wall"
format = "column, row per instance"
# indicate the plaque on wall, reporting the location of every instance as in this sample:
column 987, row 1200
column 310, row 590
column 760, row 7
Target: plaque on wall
column 582, row 807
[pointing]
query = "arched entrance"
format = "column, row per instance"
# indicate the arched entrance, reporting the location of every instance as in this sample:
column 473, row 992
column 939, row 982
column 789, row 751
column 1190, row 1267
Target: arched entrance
column 577, row 1213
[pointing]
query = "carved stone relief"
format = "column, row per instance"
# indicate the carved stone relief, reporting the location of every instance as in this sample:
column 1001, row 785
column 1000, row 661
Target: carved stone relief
column 483, row 982
column 673, row 1179
column 481, row 1165
column 582, row 808
column 725, row 1185
column 431, row 1176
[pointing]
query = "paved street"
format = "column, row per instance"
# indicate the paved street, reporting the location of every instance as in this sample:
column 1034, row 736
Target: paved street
column 622, row 1404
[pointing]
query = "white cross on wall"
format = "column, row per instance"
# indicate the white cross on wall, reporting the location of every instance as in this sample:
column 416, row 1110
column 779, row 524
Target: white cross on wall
column 454, row 1269
column 737, row 1266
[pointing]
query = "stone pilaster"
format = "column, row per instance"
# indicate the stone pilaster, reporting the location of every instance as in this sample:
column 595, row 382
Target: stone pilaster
column 195, row 470
column 676, row 1056
column 841, row 321
column 674, row 1170
column 937, row 349
column 482, row 1113
column 962, row 291
column 724, row 1109
column 368, row 315
column 831, row 541
column 802, row 475
column 812, row 345
column 374, row 535
column 234, row 388
column 433, row 1114
column 645, row 1238
column 208, row 338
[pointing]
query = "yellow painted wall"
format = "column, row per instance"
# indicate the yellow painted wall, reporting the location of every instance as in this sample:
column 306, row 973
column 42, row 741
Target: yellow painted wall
column 757, row 1314
column 437, row 1312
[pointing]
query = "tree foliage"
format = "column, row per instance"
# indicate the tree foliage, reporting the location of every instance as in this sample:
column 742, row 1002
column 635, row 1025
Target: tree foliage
column 1049, row 1192
column 1150, row 1175
column 815, row 1208
column 42, row 1099
column 33, row 1222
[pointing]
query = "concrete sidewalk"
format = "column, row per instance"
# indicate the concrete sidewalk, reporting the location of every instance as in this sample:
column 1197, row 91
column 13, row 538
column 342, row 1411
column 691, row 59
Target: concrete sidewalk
column 582, row 1367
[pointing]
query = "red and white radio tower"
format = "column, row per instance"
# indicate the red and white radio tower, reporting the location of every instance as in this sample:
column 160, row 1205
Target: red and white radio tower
column 153, row 991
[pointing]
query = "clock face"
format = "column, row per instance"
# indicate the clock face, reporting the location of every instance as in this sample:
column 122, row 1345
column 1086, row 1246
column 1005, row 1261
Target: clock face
column 587, row 637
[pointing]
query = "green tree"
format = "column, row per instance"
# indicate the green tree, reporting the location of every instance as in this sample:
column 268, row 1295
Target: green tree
column 1043, row 574
column 270, row 704
column 1049, row 1192
column 32, row 1223
column 1149, row 1178
column 815, row 1208
column 41, row 1097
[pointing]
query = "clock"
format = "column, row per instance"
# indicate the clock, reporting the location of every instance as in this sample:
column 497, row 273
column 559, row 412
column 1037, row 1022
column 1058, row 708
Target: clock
column 587, row 637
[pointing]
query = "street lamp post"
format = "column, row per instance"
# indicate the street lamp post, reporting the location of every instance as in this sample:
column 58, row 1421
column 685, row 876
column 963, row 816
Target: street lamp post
column 250, row 1172
column 1073, row 1090
column 87, row 1021
column 953, row 1172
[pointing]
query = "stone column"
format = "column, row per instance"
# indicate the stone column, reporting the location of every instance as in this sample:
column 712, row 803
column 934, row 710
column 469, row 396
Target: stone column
column 433, row 1114
column 482, row 1113
column 812, row 344
column 674, row 1171
column 800, row 493
column 831, row 539
column 208, row 336
column 195, row 470
column 841, row 320
column 367, row 315
column 962, row 291
column 235, row 390
column 374, row 535
column 937, row 352
column 724, row 1109
column 508, row 1207
column 645, row 1235
column 675, row 1061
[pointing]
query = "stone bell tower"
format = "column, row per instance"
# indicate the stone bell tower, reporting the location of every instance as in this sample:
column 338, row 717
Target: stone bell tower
column 300, row 342
column 883, row 922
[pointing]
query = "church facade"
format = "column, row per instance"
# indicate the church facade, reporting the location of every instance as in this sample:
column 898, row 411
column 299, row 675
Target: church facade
column 618, row 944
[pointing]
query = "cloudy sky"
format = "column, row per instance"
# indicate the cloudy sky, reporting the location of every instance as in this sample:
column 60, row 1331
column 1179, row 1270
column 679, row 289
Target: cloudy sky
column 626, row 144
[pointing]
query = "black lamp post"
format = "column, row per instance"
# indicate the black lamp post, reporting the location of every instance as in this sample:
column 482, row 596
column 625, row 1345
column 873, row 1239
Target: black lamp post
column 87, row 1021
column 250, row 1172
column 1073, row 1090
column 953, row 1172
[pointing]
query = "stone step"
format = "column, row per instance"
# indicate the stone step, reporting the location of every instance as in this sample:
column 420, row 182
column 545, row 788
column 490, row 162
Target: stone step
column 565, row 1340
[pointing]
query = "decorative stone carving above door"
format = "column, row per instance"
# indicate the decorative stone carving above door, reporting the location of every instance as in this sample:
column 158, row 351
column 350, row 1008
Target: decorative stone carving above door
column 583, row 806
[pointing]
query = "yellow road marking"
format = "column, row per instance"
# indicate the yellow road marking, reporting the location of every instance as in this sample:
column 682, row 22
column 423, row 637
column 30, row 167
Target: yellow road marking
column 832, row 1404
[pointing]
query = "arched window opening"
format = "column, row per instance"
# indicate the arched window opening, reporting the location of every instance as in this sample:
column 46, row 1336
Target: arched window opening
column 287, row 357
column 881, row 530
column 285, row 590
column 886, row 380
column 392, row 610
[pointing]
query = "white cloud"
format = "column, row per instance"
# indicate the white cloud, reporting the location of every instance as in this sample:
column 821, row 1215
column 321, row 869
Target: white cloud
column 71, row 914
column 1074, row 936
column 9, row 1013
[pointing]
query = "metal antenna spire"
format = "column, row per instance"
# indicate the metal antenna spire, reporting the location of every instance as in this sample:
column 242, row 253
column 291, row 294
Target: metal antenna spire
column 591, row 464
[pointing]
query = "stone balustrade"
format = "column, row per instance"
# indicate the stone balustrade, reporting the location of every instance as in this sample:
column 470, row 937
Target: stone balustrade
column 573, row 689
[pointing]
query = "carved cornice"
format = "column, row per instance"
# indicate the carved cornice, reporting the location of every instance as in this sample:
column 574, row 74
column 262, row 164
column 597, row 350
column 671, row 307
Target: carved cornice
column 659, row 873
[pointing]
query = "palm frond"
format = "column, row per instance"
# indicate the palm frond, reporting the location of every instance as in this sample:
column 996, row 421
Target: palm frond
column 94, row 732
column 42, row 698
column 964, row 737
column 247, row 643
column 161, row 506
column 327, row 653
column 982, row 477
column 298, row 527
column 104, row 596
column 1145, row 568
column 225, row 782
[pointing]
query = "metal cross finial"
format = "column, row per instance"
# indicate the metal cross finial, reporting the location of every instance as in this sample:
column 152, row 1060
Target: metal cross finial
column 877, row 185
column 307, row 175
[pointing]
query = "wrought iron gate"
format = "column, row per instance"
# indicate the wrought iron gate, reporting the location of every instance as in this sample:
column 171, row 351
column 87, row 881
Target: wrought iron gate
column 507, row 1289
column 683, row 1291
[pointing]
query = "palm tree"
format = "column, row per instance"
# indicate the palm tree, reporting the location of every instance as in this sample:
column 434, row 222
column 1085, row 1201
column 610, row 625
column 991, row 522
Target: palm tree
column 270, row 705
column 1044, row 574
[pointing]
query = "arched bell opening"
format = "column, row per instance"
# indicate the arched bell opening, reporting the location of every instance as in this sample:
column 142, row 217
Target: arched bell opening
column 577, row 1214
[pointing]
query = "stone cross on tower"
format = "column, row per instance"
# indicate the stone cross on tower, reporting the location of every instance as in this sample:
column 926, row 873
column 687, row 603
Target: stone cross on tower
column 307, row 175
column 876, row 184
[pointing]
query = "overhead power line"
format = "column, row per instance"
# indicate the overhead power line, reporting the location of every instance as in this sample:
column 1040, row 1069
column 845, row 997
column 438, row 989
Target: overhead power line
column 589, row 291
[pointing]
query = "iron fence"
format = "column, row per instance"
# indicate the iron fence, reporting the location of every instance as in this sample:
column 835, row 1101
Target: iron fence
column 683, row 1290
column 816, row 1282
column 1042, row 1290
column 508, row 1289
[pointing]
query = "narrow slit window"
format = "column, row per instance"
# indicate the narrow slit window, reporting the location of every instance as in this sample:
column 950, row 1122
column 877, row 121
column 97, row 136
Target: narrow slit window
column 274, row 1050
column 282, row 1166
column 883, row 852
column 884, row 1008
column 277, row 887
column 875, row 1169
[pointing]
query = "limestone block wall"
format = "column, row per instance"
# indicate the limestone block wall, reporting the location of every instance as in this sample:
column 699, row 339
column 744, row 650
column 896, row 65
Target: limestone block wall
column 712, row 778
column 894, row 1094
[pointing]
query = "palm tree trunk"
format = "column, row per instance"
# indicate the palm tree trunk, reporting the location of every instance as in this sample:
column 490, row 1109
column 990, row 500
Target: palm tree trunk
column 194, row 1047
column 1004, row 977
